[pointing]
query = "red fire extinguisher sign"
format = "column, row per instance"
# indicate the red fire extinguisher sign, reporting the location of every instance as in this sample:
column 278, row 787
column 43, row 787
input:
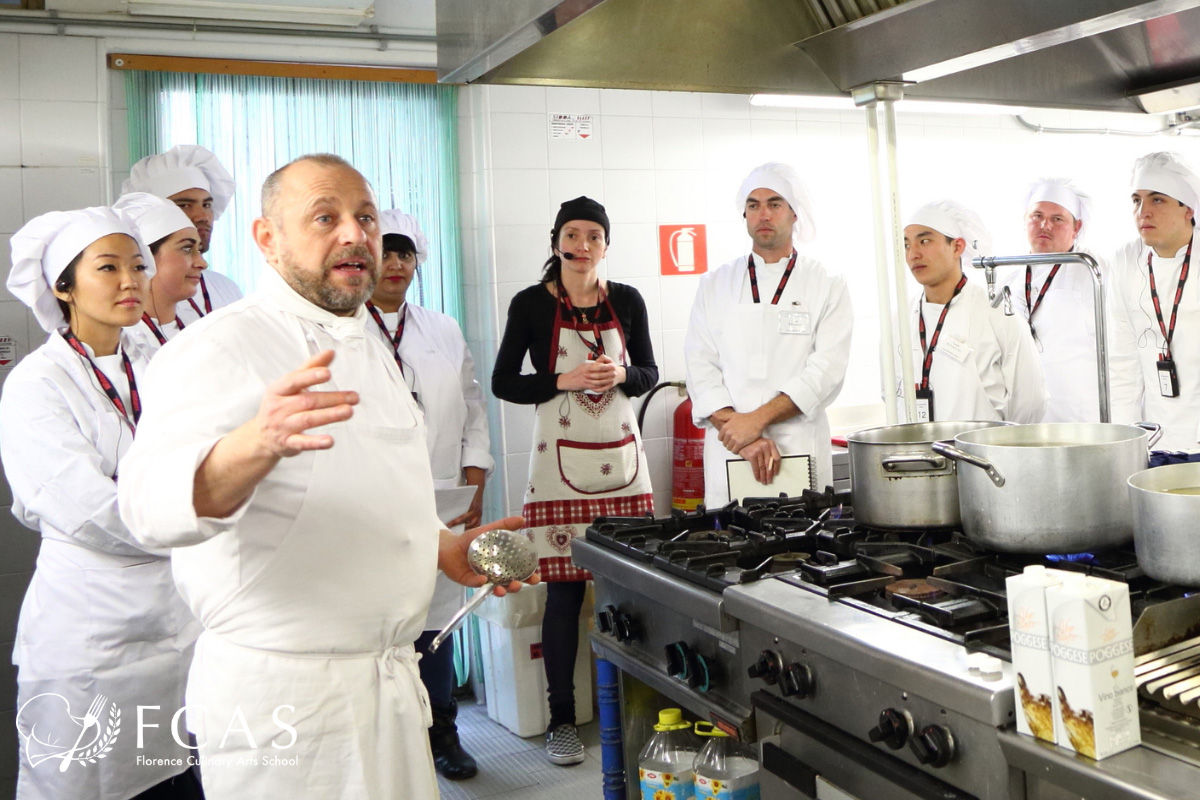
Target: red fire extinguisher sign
column 682, row 249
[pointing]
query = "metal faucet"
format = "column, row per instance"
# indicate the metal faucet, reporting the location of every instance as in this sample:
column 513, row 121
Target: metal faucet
column 989, row 264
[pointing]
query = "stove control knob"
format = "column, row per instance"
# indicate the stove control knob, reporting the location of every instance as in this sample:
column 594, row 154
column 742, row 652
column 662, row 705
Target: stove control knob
column 796, row 679
column 768, row 667
column 679, row 657
column 893, row 729
column 606, row 619
column 625, row 628
column 700, row 675
column 933, row 746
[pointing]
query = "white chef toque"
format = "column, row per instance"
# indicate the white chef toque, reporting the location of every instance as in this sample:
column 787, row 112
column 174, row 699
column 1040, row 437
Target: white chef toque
column 152, row 218
column 1062, row 192
column 44, row 247
column 1168, row 174
column 783, row 179
column 396, row 221
column 183, row 167
column 955, row 220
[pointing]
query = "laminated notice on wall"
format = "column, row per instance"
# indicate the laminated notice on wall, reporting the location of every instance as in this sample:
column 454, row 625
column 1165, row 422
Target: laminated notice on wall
column 8, row 351
column 570, row 126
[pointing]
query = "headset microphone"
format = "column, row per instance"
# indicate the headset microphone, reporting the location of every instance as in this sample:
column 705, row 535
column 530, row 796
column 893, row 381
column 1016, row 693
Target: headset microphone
column 569, row 256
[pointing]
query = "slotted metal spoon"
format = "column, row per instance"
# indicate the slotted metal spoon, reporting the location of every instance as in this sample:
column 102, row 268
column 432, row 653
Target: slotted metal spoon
column 501, row 556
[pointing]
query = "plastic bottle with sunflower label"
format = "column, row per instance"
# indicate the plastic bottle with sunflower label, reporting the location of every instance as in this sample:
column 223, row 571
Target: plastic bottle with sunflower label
column 726, row 769
column 665, row 763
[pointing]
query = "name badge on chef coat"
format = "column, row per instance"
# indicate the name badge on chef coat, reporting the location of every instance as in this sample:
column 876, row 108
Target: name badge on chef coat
column 795, row 322
column 955, row 348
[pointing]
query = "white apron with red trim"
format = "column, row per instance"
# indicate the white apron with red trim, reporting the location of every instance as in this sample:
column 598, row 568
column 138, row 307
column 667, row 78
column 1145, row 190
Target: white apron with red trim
column 587, row 458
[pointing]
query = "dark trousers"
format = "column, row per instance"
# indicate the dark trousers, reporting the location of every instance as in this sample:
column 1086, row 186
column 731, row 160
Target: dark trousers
column 560, row 642
column 184, row 786
column 437, row 670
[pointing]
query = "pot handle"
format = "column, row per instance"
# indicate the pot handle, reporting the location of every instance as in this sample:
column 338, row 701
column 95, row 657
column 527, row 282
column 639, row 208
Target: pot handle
column 905, row 463
column 952, row 452
column 1155, row 432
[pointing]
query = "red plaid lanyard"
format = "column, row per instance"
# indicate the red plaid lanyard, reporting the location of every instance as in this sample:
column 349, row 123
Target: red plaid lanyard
column 107, row 385
column 158, row 334
column 576, row 314
column 1029, row 290
column 1168, row 332
column 207, row 300
column 395, row 340
column 787, row 273
column 927, row 364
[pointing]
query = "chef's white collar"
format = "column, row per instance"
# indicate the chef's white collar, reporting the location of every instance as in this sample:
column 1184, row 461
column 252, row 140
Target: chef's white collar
column 291, row 300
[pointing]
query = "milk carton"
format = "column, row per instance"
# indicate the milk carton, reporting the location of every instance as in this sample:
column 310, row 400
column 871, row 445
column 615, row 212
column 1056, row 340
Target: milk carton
column 1030, row 643
column 1091, row 647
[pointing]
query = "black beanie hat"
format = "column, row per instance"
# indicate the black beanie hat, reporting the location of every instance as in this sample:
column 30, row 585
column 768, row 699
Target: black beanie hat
column 581, row 208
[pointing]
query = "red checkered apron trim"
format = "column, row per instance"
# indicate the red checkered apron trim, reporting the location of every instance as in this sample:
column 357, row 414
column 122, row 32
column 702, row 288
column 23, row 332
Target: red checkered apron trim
column 566, row 519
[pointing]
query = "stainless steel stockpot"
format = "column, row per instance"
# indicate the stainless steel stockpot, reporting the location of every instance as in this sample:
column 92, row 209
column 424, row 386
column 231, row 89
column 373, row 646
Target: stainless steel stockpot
column 1166, row 527
column 899, row 482
column 1049, row 488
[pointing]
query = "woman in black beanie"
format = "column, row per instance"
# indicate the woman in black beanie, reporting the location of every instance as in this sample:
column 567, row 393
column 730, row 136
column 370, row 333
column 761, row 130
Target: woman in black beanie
column 589, row 342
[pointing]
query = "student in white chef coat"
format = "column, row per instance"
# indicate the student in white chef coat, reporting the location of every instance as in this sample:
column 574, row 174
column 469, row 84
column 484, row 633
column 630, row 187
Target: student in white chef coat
column 283, row 457
column 437, row 366
column 1057, row 300
column 194, row 179
column 1155, row 304
column 173, row 246
column 971, row 361
column 102, row 629
column 768, row 342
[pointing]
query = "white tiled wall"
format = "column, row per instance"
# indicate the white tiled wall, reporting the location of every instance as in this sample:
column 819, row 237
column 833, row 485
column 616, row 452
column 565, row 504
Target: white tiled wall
column 673, row 157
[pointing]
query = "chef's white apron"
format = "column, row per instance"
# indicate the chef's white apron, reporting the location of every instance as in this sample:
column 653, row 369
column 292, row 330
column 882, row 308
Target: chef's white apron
column 768, row 358
column 360, row 717
column 587, row 459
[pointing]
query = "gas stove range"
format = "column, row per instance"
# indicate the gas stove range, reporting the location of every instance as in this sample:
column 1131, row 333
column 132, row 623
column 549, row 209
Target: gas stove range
column 838, row 645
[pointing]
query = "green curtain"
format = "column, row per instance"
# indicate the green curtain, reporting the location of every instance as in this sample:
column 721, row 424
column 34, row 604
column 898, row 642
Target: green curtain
column 402, row 137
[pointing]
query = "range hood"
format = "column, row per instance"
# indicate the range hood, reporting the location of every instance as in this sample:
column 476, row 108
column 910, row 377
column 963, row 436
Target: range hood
column 1087, row 54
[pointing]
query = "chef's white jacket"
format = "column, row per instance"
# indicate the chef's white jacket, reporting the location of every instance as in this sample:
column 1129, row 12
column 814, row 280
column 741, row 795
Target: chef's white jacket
column 1064, row 330
column 142, row 334
column 222, row 291
column 101, row 615
column 1135, row 342
column 313, row 591
column 737, row 356
column 984, row 366
column 439, row 368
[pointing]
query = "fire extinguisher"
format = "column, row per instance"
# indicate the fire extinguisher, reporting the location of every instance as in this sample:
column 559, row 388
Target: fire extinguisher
column 687, row 462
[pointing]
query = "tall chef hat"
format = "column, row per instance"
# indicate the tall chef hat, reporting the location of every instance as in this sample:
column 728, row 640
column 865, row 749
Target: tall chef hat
column 44, row 247
column 955, row 220
column 1063, row 192
column 1169, row 174
column 396, row 221
column 783, row 179
column 152, row 218
column 183, row 167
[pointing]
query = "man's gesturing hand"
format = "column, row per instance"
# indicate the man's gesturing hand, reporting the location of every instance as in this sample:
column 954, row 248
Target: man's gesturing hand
column 288, row 409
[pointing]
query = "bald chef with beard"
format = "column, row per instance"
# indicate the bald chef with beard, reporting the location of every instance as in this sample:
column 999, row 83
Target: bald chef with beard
column 300, row 505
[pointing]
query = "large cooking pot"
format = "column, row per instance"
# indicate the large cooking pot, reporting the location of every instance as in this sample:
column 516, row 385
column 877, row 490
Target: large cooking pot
column 1049, row 488
column 899, row 482
column 1164, row 522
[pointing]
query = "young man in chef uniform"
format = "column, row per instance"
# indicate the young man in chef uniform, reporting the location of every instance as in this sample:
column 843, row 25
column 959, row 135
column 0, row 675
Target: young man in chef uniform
column 1057, row 300
column 300, row 505
column 768, row 342
column 1154, row 303
column 192, row 178
column 971, row 361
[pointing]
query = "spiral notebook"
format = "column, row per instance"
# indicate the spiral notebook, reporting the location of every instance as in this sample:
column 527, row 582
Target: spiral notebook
column 796, row 473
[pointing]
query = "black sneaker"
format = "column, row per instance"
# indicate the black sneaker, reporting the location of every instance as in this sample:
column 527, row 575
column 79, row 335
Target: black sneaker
column 563, row 746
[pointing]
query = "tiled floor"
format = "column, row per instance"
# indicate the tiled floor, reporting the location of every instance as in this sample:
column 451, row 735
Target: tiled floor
column 511, row 767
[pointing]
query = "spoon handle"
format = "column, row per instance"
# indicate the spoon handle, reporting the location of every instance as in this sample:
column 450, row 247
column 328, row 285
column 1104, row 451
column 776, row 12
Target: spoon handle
column 461, row 615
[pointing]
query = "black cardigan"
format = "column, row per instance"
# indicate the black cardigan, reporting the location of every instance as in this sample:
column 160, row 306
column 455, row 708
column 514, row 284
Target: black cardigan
column 530, row 326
